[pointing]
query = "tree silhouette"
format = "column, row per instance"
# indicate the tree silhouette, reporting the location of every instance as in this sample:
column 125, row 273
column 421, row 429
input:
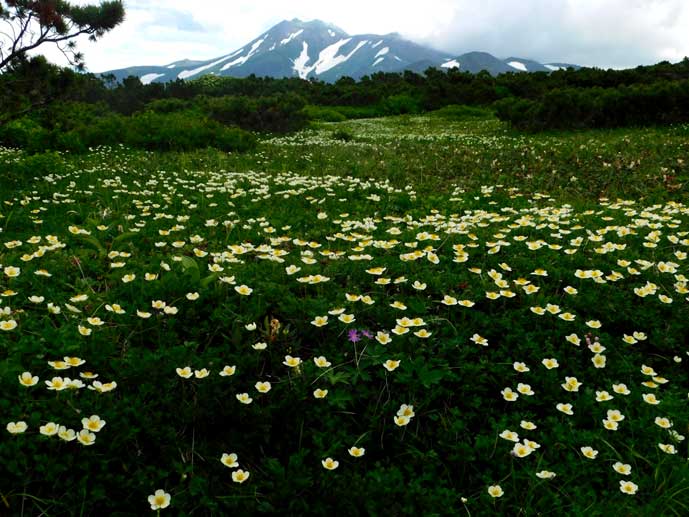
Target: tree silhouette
column 28, row 24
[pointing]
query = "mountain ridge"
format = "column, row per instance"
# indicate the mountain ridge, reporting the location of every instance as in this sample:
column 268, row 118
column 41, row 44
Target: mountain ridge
column 319, row 50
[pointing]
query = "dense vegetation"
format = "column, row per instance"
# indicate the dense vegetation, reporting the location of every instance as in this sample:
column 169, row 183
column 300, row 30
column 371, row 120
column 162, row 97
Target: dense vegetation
column 443, row 253
column 44, row 107
column 382, row 300
column 658, row 103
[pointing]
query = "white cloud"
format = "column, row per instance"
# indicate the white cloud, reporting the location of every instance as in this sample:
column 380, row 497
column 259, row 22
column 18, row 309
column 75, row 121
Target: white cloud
column 615, row 33
column 605, row 33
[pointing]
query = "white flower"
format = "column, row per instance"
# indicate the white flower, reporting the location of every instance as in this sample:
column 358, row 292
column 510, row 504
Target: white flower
column 159, row 500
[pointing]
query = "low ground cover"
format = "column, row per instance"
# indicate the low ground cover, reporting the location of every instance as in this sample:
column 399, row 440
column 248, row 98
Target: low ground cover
column 422, row 316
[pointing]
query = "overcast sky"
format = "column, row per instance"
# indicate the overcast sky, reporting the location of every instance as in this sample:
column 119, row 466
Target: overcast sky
column 603, row 33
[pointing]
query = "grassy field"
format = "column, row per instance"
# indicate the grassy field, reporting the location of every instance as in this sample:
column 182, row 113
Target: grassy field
column 413, row 315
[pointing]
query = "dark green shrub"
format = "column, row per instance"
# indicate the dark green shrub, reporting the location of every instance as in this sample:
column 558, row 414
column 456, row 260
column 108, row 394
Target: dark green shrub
column 401, row 104
column 578, row 108
column 514, row 111
column 233, row 139
column 25, row 170
column 168, row 105
column 182, row 131
column 106, row 130
column 324, row 113
column 24, row 133
column 68, row 141
column 65, row 116
column 275, row 114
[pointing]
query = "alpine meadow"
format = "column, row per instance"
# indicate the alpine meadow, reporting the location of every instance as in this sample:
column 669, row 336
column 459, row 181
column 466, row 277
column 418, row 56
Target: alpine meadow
column 335, row 274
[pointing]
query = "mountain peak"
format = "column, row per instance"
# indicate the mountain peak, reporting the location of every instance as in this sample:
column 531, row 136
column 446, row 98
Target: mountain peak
column 314, row 24
column 316, row 49
column 298, row 22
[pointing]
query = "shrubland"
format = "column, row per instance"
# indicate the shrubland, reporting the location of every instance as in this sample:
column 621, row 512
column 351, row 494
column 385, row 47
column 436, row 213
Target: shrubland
column 46, row 108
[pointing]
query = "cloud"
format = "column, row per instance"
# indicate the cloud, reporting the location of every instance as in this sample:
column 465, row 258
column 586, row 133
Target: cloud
column 178, row 20
column 604, row 33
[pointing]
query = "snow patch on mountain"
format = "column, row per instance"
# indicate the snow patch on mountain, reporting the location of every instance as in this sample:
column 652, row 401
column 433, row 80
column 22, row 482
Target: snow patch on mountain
column 332, row 33
column 328, row 57
column 300, row 63
column 189, row 73
column 255, row 46
column 149, row 78
column 382, row 52
column 291, row 37
column 377, row 44
column 518, row 65
column 243, row 59
column 451, row 64
column 553, row 67
column 378, row 61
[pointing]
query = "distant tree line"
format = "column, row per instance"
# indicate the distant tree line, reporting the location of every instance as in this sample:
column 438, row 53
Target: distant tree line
column 642, row 104
column 46, row 107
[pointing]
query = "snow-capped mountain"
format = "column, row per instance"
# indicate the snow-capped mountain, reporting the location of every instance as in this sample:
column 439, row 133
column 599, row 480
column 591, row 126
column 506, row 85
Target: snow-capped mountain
column 475, row 62
column 323, row 51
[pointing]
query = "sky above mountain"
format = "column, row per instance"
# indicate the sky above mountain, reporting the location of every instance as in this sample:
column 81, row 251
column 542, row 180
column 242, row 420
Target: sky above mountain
column 603, row 33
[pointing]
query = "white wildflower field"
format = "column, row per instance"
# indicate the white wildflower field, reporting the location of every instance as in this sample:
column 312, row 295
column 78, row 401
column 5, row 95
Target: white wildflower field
column 335, row 324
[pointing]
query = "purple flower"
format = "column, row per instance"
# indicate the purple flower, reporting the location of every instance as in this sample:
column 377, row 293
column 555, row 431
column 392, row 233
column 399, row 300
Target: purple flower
column 367, row 334
column 353, row 335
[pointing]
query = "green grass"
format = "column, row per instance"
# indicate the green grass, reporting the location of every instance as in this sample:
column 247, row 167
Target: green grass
column 450, row 221
column 431, row 153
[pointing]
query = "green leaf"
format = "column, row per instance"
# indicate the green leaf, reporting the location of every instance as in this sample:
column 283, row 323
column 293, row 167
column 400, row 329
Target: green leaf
column 190, row 267
column 206, row 281
column 93, row 242
column 124, row 237
column 336, row 377
column 430, row 377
